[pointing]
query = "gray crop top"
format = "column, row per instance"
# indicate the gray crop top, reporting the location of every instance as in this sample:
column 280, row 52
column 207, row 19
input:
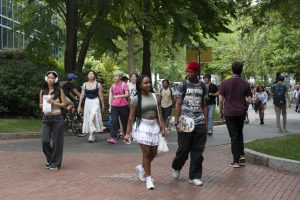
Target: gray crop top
column 149, row 105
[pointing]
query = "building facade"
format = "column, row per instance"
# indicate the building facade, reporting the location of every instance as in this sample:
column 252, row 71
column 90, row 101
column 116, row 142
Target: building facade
column 9, row 37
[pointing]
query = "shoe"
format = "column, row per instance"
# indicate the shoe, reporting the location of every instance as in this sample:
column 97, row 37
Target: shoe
column 149, row 183
column 111, row 141
column 91, row 139
column 47, row 165
column 285, row 130
column 196, row 182
column 140, row 172
column 279, row 130
column 235, row 165
column 210, row 133
column 54, row 168
column 175, row 173
column 242, row 161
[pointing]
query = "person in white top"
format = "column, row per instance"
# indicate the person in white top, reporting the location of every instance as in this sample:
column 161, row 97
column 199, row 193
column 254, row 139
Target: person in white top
column 261, row 98
column 132, row 85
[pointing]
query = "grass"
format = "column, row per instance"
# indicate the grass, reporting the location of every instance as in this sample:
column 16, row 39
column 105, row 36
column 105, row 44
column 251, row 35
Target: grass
column 285, row 147
column 20, row 125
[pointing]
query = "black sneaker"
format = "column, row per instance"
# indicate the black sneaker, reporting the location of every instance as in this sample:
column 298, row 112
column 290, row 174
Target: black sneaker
column 47, row 165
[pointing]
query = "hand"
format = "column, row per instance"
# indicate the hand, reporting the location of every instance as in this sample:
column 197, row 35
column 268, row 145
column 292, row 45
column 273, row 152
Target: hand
column 109, row 110
column 126, row 139
column 115, row 96
column 164, row 133
column 178, row 129
column 79, row 109
column 51, row 101
column 221, row 114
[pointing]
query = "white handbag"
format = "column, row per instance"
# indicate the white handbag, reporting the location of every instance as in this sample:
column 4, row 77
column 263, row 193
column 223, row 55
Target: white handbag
column 162, row 145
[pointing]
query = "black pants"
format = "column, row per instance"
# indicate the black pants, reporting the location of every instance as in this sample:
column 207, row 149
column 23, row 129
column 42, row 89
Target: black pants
column 53, row 138
column 193, row 142
column 235, row 126
column 116, row 112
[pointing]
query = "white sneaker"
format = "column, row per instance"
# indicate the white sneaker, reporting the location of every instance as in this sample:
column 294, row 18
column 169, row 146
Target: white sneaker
column 140, row 172
column 91, row 139
column 196, row 182
column 175, row 173
column 149, row 183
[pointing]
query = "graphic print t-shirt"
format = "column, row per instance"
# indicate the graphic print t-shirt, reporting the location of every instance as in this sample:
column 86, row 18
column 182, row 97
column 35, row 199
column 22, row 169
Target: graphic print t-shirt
column 132, row 90
column 193, row 101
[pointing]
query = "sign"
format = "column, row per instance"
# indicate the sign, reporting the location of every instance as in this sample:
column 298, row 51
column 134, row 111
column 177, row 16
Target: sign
column 196, row 54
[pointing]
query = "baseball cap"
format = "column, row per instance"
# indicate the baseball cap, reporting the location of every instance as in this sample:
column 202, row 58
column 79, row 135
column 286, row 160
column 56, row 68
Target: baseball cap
column 71, row 76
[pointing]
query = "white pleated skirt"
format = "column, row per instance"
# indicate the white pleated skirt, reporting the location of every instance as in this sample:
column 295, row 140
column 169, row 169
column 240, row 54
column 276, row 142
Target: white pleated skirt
column 92, row 119
column 147, row 132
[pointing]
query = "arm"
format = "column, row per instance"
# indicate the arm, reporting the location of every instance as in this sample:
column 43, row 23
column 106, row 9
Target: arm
column 288, row 98
column 81, row 98
column 77, row 94
column 41, row 100
column 125, row 95
column 177, row 111
column 130, row 121
column 205, row 111
column 61, row 104
column 221, row 104
column 100, row 95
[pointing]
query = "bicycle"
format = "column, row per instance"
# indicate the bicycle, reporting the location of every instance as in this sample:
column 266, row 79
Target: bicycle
column 74, row 121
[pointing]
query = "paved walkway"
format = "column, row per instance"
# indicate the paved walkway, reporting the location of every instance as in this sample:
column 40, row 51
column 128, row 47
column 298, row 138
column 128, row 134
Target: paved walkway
column 102, row 171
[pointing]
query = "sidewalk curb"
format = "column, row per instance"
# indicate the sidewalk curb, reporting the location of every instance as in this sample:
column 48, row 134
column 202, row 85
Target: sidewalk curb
column 288, row 165
column 8, row 136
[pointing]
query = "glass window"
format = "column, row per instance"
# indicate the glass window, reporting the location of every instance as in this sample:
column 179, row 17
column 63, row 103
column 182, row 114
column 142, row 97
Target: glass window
column 1, row 47
column 9, row 9
column 4, row 38
column 16, row 40
column 9, row 39
column 4, row 7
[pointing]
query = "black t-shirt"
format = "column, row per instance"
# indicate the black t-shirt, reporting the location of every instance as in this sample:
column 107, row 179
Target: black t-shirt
column 212, row 88
column 68, row 87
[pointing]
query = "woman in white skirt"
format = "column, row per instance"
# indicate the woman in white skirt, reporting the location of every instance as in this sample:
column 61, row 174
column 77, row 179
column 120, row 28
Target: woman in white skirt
column 92, row 119
column 146, row 128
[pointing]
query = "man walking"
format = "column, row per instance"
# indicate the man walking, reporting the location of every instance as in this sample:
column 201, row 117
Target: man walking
column 166, row 99
column 191, row 101
column 280, row 94
column 234, row 106
column 213, row 92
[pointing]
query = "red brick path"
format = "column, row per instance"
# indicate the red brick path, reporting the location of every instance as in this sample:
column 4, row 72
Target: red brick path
column 102, row 176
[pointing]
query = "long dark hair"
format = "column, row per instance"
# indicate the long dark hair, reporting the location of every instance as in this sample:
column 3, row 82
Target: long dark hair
column 139, row 103
column 56, row 92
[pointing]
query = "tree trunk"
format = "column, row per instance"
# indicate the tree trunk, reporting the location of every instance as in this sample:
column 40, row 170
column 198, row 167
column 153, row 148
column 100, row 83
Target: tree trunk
column 146, row 57
column 146, row 43
column 83, row 51
column 71, row 35
column 130, row 33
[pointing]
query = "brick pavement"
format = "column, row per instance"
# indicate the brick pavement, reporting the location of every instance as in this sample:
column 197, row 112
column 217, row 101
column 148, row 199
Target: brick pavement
column 111, row 176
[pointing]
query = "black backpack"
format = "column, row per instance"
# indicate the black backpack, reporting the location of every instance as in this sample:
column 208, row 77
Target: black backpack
column 279, row 91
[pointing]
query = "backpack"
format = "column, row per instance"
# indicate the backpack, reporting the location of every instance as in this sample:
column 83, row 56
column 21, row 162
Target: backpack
column 184, row 88
column 278, row 91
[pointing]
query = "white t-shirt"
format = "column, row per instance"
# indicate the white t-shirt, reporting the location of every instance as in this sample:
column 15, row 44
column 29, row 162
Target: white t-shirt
column 132, row 90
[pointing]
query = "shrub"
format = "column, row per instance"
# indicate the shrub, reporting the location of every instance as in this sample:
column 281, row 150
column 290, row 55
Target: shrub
column 20, row 84
column 11, row 54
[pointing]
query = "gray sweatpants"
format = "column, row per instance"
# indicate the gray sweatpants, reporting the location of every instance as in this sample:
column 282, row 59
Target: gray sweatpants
column 53, row 131
column 280, row 109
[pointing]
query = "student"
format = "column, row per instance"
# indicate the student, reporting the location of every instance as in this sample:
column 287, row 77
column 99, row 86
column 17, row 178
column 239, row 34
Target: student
column 52, row 121
column 234, row 106
column 92, row 119
column 191, row 101
column 144, row 111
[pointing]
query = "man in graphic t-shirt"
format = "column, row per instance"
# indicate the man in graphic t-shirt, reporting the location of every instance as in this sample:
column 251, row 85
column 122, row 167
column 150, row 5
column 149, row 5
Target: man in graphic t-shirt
column 191, row 101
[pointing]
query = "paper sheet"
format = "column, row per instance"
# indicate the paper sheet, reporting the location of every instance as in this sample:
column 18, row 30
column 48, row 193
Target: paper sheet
column 46, row 105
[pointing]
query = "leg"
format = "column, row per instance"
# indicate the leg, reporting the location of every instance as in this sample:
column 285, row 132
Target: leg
column 115, row 122
column 211, row 112
column 284, row 116
column 58, row 141
column 147, row 158
column 198, row 145
column 184, row 146
column 278, row 113
column 124, row 115
column 240, row 125
column 46, row 138
column 232, row 126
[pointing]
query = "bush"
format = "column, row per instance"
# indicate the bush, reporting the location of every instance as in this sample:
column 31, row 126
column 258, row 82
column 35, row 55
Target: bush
column 11, row 54
column 20, row 84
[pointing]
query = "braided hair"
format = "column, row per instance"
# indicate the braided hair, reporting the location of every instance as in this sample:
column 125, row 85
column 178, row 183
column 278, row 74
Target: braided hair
column 139, row 103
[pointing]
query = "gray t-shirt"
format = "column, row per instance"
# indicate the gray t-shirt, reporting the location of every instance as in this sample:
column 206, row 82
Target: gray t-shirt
column 148, row 105
column 193, row 101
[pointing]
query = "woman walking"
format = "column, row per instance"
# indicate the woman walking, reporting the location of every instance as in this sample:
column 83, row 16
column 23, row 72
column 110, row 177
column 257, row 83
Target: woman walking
column 261, row 98
column 118, row 103
column 52, row 100
column 146, row 129
column 92, row 119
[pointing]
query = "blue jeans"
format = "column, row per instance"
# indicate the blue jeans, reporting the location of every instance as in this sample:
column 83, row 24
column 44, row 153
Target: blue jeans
column 211, row 111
